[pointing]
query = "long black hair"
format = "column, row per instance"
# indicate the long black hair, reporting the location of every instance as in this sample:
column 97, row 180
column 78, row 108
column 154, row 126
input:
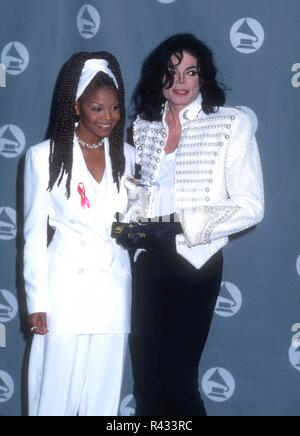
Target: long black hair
column 62, row 126
column 157, row 73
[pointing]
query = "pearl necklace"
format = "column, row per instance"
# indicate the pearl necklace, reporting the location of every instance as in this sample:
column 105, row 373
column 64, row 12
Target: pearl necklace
column 90, row 146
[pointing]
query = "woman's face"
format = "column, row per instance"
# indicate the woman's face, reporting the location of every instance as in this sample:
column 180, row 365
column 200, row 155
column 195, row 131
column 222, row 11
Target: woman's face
column 186, row 86
column 99, row 112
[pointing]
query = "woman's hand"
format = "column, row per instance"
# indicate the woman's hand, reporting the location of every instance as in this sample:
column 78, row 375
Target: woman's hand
column 37, row 323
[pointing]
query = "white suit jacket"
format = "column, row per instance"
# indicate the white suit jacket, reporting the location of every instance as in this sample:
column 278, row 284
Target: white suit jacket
column 83, row 279
column 218, row 176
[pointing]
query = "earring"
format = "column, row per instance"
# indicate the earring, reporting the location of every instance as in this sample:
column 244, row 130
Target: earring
column 77, row 113
column 77, row 109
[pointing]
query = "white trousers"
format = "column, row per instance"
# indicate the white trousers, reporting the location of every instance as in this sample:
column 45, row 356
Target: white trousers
column 76, row 375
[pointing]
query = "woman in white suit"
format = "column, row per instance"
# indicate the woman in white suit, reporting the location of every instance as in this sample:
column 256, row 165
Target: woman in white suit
column 78, row 288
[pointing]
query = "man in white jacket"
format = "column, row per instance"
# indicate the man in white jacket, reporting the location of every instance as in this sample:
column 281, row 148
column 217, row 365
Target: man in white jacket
column 200, row 163
column 79, row 287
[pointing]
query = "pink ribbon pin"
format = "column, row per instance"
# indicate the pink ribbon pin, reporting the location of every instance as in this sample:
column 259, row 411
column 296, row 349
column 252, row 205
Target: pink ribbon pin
column 85, row 202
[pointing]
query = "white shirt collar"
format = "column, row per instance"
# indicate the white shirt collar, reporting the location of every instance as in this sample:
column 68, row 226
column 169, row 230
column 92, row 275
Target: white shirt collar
column 190, row 112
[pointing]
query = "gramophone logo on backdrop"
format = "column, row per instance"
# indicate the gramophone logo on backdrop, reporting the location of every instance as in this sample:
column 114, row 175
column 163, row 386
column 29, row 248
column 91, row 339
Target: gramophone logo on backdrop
column 12, row 141
column 8, row 306
column 6, row 387
column 218, row 384
column 2, row 76
column 229, row 301
column 15, row 58
column 8, row 223
column 127, row 406
column 298, row 265
column 294, row 351
column 88, row 21
column 247, row 35
column 294, row 355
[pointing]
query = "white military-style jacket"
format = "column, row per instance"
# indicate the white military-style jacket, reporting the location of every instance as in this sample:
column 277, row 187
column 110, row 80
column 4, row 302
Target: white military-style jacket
column 82, row 280
column 218, row 176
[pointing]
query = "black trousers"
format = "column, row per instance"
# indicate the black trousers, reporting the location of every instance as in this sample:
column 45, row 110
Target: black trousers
column 173, row 306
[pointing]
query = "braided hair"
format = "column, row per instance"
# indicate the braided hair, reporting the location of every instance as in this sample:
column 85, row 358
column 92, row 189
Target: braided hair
column 62, row 126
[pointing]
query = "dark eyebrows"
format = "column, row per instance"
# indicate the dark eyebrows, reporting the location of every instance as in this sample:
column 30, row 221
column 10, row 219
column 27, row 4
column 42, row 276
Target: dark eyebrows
column 100, row 103
column 192, row 67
